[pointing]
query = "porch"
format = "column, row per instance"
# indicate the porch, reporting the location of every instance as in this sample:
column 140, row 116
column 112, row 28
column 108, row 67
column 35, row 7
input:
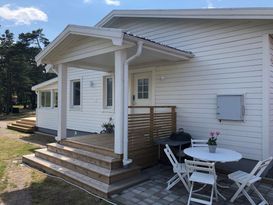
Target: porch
column 145, row 125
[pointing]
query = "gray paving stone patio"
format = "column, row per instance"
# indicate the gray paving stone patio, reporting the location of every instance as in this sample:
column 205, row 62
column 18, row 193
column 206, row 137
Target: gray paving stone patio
column 153, row 191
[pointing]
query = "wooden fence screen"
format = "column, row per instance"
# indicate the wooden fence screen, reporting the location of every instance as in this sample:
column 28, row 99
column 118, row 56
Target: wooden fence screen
column 145, row 124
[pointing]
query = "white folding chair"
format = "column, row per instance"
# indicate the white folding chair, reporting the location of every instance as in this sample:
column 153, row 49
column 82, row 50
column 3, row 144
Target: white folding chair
column 199, row 143
column 178, row 168
column 245, row 181
column 201, row 173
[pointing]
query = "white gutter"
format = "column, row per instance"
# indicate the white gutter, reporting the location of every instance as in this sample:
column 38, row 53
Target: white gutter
column 127, row 161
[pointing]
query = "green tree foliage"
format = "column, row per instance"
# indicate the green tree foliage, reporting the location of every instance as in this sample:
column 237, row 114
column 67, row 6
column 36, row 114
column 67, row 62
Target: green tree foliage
column 18, row 69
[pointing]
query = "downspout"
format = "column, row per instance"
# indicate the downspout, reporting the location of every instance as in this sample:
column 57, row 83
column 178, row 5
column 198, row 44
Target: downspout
column 127, row 161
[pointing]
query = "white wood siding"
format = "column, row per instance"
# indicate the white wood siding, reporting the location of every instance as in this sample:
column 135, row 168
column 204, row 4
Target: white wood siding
column 91, row 115
column 228, row 61
column 47, row 118
column 271, row 98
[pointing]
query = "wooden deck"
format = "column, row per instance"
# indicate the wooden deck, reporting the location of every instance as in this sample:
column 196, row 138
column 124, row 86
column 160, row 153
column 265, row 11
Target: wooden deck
column 87, row 161
column 152, row 122
column 99, row 143
column 104, row 141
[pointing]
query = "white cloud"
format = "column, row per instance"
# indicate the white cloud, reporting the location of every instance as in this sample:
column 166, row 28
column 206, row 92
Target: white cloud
column 22, row 15
column 112, row 2
column 210, row 4
column 87, row 1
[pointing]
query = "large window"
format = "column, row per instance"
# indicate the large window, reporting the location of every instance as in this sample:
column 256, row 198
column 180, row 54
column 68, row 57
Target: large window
column 76, row 93
column 108, row 88
column 45, row 99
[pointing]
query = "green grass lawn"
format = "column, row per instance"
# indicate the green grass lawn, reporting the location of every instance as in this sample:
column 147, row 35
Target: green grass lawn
column 11, row 149
column 32, row 186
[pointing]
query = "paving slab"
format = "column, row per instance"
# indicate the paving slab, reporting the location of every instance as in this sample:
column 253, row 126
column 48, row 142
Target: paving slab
column 154, row 191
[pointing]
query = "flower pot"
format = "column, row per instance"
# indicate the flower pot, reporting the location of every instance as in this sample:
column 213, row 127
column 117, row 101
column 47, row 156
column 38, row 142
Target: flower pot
column 212, row 148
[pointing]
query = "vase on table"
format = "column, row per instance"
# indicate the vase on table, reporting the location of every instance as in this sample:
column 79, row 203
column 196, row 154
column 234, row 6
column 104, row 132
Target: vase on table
column 212, row 148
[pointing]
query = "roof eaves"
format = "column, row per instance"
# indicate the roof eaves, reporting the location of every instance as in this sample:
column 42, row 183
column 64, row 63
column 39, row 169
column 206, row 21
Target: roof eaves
column 45, row 83
column 215, row 13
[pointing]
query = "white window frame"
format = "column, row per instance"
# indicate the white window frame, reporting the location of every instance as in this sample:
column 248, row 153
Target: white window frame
column 105, row 106
column 72, row 106
column 40, row 100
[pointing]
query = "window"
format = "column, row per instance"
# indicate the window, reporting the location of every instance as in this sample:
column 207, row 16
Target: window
column 108, row 91
column 143, row 88
column 55, row 98
column 76, row 93
column 45, row 99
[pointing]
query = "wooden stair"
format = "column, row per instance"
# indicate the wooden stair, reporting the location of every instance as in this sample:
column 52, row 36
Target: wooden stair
column 94, row 170
column 27, row 125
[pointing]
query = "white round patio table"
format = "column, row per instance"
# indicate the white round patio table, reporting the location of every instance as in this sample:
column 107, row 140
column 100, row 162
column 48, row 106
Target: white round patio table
column 221, row 154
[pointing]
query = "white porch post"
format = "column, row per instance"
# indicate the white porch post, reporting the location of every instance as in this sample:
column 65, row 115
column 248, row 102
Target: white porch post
column 120, row 57
column 62, row 101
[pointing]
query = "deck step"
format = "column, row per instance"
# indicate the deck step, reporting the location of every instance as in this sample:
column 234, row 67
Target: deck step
column 81, row 180
column 20, row 129
column 88, row 183
column 28, row 120
column 91, row 170
column 91, row 148
column 85, row 156
column 20, row 124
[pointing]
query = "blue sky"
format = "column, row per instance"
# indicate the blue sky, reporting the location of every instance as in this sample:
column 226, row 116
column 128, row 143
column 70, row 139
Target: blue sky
column 53, row 15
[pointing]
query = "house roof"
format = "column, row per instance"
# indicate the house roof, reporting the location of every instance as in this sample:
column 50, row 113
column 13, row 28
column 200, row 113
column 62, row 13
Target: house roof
column 116, row 35
column 45, row 83
column 131, row 35
column 225, row 13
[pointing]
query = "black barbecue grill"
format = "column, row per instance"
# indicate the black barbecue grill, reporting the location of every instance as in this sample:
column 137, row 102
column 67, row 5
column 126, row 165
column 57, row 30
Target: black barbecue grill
column 179, row 139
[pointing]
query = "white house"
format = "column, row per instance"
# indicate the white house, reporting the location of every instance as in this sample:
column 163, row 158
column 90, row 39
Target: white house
column 202, row 61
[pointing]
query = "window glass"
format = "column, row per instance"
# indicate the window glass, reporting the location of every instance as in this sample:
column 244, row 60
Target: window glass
column 55, row 98
column 143, row 88
column 76, row 100
column 109, row 92
column 45, row 99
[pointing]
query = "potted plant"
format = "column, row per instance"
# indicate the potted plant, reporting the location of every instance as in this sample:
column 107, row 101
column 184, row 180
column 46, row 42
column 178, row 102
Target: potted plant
column 212, row 141
column 108, row 127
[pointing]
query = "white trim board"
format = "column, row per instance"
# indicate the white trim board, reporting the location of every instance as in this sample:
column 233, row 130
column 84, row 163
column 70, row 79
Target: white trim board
column 266, row 103
column 227, row 13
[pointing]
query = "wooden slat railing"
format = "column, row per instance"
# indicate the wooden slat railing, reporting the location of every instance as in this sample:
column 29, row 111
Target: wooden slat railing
column 145, row 124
